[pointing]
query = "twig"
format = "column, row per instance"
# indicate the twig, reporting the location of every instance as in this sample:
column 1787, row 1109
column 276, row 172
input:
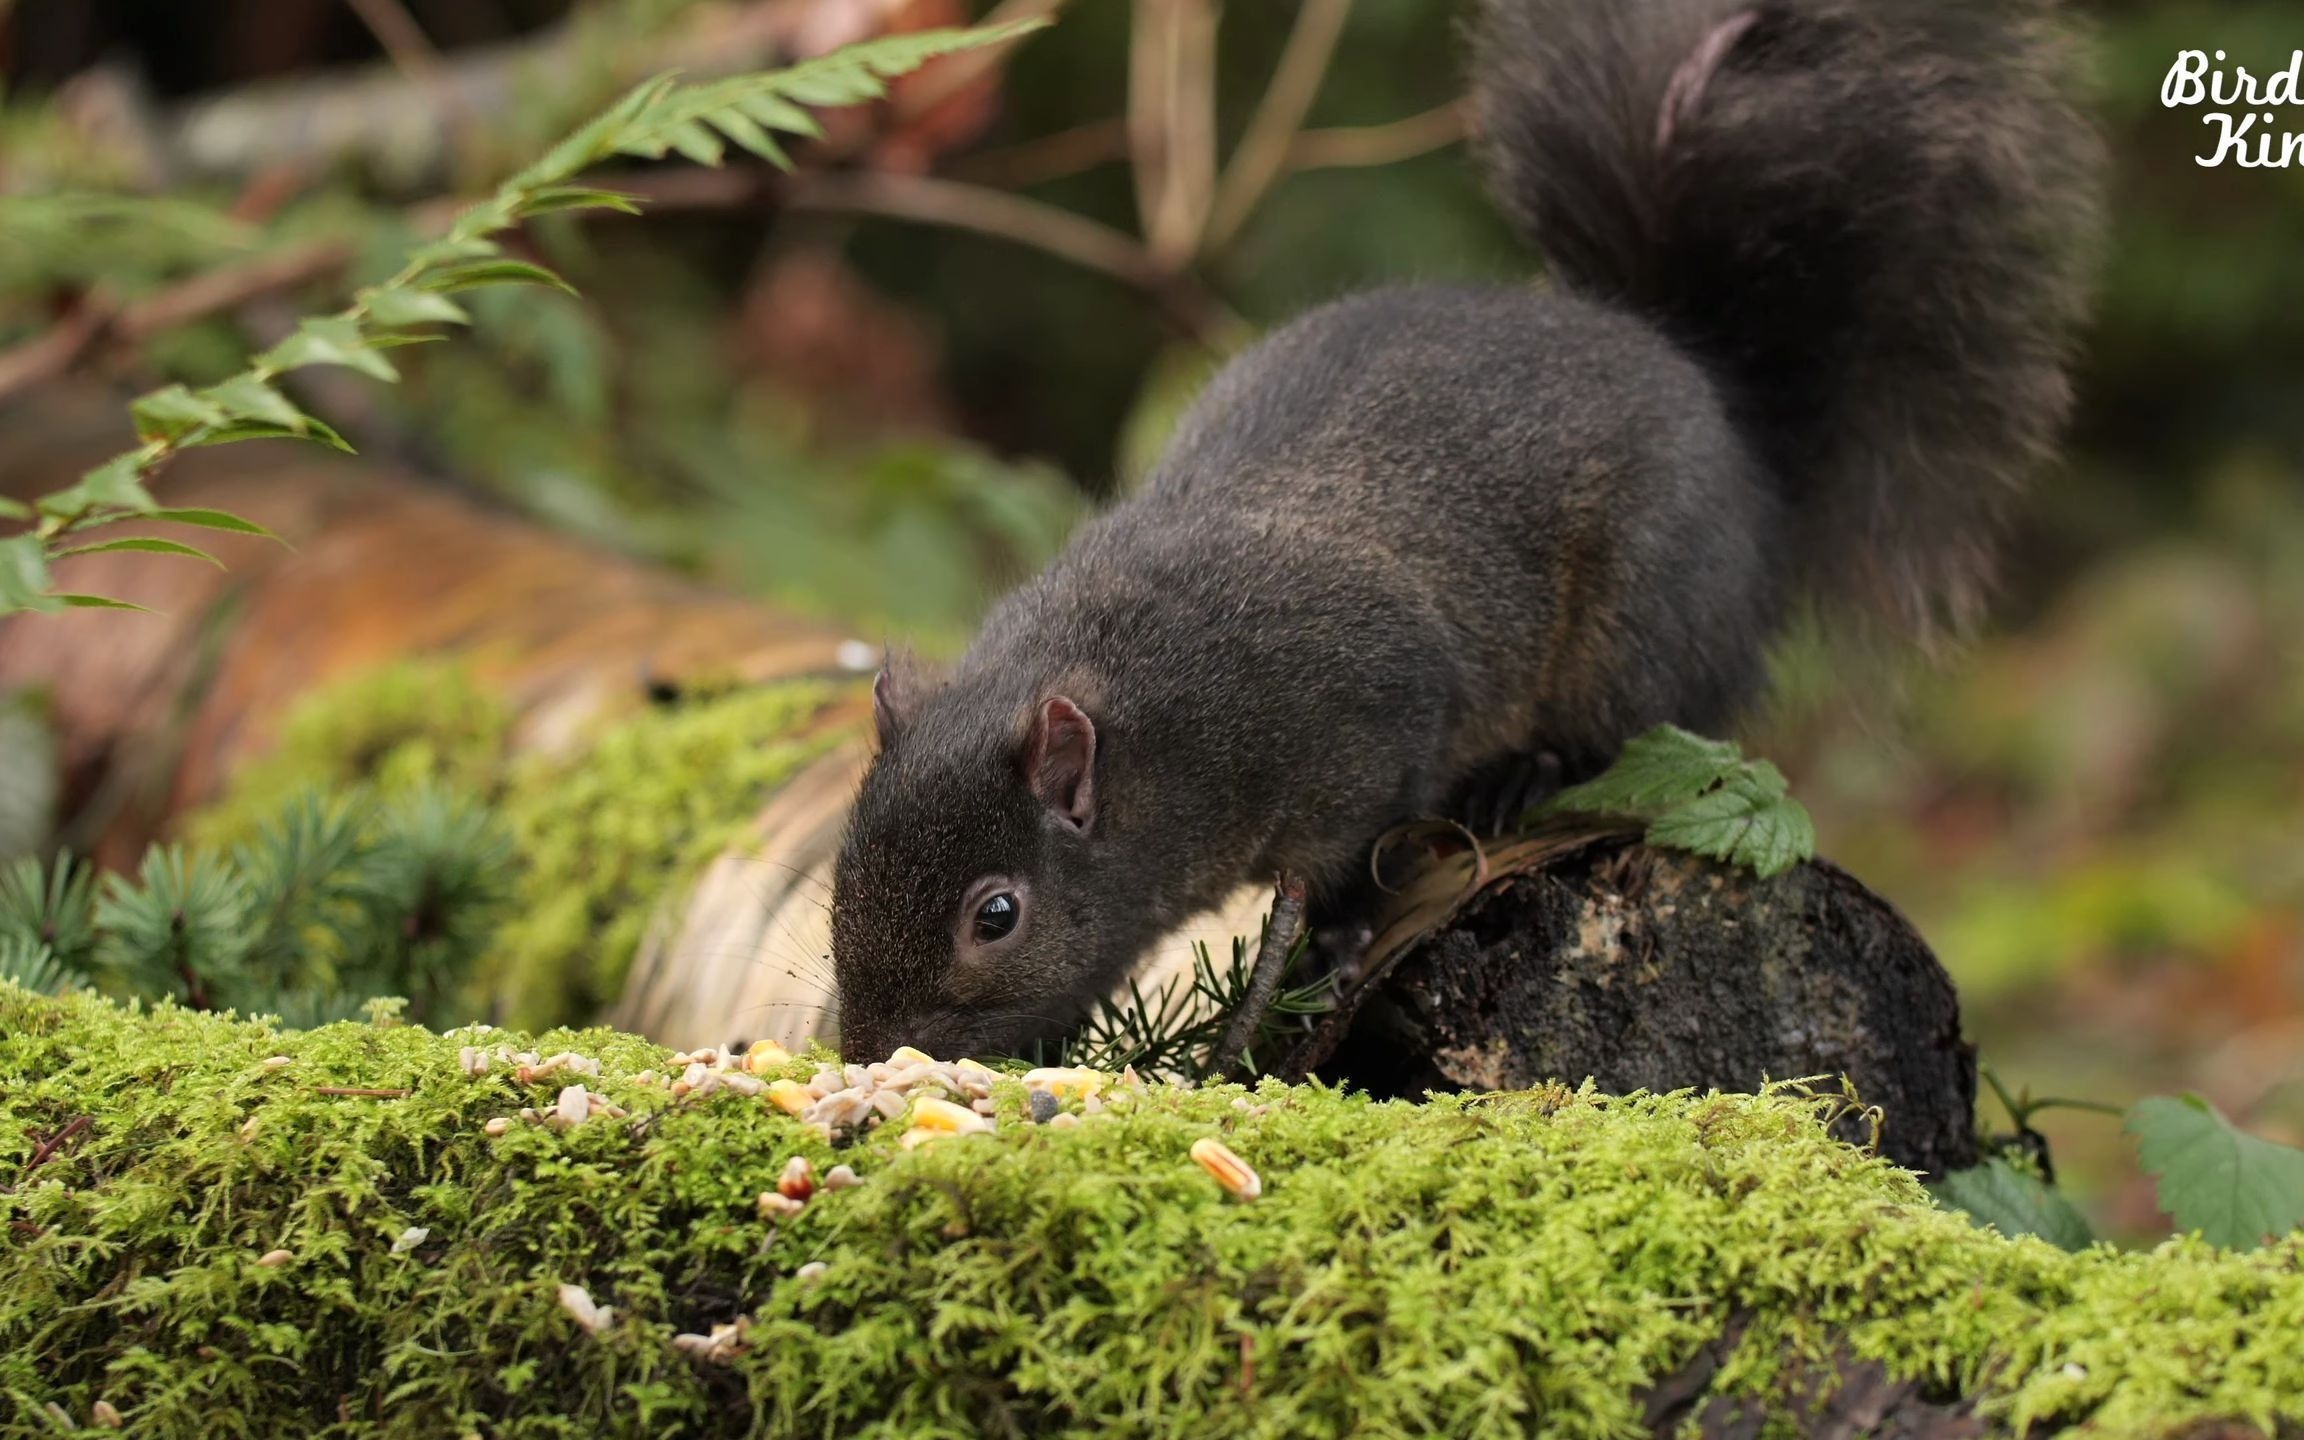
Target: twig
column 1188, row 124
column 1149, row 40
column 404, row 43
column 1050, row 157
column 1264, row 148
column 47, row 1148
column 361, row 1093
column 1059, row 232
column 1386, row 144
column 1272, row 956
column 46, row 356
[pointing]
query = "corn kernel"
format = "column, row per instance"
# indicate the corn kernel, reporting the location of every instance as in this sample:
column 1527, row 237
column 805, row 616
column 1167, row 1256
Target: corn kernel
column 789, row 1096
column 1230, row 1170
column 931, row 1113
column 920, row 1135
column 798, row 1181
column 1066, row 1080
column 766, row 1055
column 909, row 1055
column 779, row 1207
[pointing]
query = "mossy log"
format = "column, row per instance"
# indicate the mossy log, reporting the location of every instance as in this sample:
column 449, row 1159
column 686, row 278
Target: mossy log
column 1654, row 970
column 218, row 1228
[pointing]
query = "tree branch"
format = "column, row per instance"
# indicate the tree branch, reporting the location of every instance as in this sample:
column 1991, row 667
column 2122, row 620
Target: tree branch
column 1386, row 144
column 1264, row 150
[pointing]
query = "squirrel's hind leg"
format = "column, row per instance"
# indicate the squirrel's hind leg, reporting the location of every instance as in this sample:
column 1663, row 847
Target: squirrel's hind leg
column 1497, row 796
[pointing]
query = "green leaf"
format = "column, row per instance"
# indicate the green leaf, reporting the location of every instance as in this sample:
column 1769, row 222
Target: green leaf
column 24, row 576
column 151, row 543
column 1665, row 767
column 118, row 483
column 1701, row 796
column 742, row 129
column 2014, row 1202
column 172, row 413
column 778, row 113
column 398, row 305
column 14, row 509
column 1749, row 820
column 244, row 397
column 492, row 272
column 328, row 340
column 103, row 602
column 214, row 520
column 691, row 139
column 2236, row 1190
column 555, row 198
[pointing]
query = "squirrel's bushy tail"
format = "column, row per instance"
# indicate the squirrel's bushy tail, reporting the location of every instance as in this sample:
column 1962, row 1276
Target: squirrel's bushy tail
column 1872, row 220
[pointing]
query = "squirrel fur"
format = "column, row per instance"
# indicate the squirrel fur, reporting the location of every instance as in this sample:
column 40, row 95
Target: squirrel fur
column 1817, row 267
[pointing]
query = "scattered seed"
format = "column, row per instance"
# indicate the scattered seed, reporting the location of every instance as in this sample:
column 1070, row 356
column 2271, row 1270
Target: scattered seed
column 811, row 1272
column 1063, row 1120
column 920, row 1135
column 410, row 1238
column 574, row 1108
column 766, row 1055
column 973, row 1067
column 1044, row 1105
column 647, row 1077
column 908, row 1055
column 274, row 1259
column 102, row 1413
column 984, row 1106
column 277, row 1061
column 593, row 1318
column 841, row 1177
column 1230, row 1170
column 930, row 1113
column 890, row 1103
column 500, row 1125
column 739, row 1082
column 788, row 1096
column 473, row 1060
column 248, row 1127
column 798, row 1181
column 1066, row 1080
column 773, row 1206
column 530, row 1114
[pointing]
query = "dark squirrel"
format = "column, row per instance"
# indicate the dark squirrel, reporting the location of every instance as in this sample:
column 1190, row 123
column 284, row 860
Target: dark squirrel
column 1818, row 265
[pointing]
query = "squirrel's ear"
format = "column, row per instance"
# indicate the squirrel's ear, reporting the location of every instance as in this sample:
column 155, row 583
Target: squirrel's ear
column 1060, row 761
column 896, row 695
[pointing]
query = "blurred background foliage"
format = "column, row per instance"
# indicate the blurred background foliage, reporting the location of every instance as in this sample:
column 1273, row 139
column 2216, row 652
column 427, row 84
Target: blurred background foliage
column 2096, row 810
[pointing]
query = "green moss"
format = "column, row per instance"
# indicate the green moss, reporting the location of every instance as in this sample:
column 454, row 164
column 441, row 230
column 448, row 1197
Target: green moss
column 1478, row 1265
column 396, row 728
column 609, row 834
column 605, row 833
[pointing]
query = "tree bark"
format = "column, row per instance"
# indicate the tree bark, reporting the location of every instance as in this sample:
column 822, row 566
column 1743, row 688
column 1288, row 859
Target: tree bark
column 1653, row 970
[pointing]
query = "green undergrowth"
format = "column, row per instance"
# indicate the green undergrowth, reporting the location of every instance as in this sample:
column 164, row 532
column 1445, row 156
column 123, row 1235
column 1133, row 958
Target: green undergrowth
column 1470, row 1265
column 604, row 832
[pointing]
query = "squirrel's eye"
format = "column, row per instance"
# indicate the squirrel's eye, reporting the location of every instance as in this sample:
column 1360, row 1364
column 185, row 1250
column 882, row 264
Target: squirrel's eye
column 996, row 918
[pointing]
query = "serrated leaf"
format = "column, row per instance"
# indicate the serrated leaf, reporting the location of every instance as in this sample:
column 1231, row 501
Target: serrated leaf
column 778, row 113
column 149, row 543
column 244, row 397
column 172, row 413
column 556, row 198
column 329, row 340
column 833, row 86
column 118, row 483
column 1749, row 821
column 1701, row 796
column 492, row 272
column 24, row 576
column 693, row 140
column 400, row 305
column 2014, row 1202
column 213, row 520
column 1665, row 767
column 14, row 509
column 2235, row 1189
column 103, row 602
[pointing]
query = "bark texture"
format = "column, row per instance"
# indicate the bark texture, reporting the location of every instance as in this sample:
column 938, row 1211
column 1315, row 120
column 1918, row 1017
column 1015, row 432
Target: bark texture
column 1652, row 970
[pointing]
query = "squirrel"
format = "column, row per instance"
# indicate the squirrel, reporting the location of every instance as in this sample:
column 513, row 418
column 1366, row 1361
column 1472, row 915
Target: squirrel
column 1817, row 267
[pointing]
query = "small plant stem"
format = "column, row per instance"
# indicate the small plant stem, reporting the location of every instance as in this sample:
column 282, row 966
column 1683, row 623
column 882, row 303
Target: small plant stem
column 1280, row 936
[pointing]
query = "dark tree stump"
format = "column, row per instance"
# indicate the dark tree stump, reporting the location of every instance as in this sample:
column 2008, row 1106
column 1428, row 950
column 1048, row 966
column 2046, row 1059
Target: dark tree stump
column 1653, row 970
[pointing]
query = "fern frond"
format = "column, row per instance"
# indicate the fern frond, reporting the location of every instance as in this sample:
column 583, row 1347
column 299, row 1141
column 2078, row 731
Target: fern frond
column 656, row 118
